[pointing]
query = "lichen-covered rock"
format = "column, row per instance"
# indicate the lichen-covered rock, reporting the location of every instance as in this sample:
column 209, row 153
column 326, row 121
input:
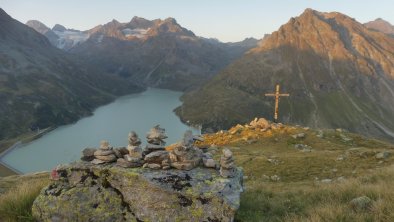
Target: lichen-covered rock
column 88, row 192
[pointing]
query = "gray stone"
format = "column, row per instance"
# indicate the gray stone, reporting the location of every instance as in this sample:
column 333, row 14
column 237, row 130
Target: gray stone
column 186, row 165
column 134, row 151
column 187, row 140
column 156, row 157
column 153, row 166
column 227, row 165
column 118, row 154
column 87, row 192
column 153, row 147
column 88, row 154
column 299, row 136
column 104, row 145
column 320, row 134
column 107, row 158
column 345, row 138
column 227, row 153
column 383, row 155
column 361, row 204
column 133, row 161
column 97, row 161
column 124, row 163
column 275, row 178
column 326, row 180
column 103, row 152
column 210, row 163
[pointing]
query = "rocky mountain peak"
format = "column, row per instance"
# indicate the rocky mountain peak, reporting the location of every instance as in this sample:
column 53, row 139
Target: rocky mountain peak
column 167, row 26
column 37, row 25
column 59, row 28
column 139, row 22
column 380, row 25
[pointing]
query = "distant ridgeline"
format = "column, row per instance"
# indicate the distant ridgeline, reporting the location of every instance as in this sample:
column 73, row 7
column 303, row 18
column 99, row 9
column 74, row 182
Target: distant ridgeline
column 339, row 74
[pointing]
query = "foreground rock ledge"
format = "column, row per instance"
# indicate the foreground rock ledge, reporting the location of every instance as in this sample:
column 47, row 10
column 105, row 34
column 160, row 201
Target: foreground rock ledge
column 87, row 192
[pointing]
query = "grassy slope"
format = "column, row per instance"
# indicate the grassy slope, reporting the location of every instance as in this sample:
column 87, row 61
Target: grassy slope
column 299, row 195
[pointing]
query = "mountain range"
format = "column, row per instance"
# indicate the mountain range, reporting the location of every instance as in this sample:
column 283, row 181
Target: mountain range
column 42, row 86
column 325, row 61
column 157, row 53
column 339, row 74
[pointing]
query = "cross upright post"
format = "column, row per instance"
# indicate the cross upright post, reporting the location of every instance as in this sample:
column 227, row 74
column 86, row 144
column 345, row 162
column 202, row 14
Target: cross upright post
column 277, row 94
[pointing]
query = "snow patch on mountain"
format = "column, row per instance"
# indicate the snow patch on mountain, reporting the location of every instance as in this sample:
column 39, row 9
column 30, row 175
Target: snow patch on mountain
column 139, row 33
column 69, row 39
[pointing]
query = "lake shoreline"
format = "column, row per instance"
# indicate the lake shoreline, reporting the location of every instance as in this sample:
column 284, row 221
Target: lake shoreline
column 6, row 167
column 18, row 144
column 154, row 106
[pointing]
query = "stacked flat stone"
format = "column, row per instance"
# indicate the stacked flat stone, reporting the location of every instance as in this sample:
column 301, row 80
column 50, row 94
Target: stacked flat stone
column 227, row 165
column 155, row 154
column 133, row 158
column 208, row 160
column 185, row 156
column 105, row 154
column 134, row 147
column 155, row 139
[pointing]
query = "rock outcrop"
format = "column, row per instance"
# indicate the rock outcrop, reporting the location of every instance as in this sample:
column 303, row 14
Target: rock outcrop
column 106, row 192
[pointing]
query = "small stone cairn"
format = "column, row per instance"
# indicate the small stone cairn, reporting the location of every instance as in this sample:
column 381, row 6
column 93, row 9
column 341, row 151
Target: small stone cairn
column 105, row 154
column 185, row 156
column 155, row 155
column 133, row 158
column 227, row 165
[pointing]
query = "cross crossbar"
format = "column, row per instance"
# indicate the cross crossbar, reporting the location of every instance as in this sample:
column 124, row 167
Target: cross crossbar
column 277, row 94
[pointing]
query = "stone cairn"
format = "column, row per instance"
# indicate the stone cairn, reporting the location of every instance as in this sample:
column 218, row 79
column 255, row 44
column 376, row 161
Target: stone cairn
column 155, row 155
column 133, row 158
column 184, row 156
column 227, row 165
column 105, row 154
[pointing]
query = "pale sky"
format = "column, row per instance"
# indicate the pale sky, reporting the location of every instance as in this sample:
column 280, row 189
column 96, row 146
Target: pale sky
column 226, row 20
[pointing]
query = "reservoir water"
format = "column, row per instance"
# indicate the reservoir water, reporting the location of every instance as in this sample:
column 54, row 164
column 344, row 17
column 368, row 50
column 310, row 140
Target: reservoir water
column 112, row 122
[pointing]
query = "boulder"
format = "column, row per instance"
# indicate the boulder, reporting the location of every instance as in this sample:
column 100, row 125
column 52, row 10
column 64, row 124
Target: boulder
column 383, row 155
column 156, row 157
column 87, row 192
column 361, row 204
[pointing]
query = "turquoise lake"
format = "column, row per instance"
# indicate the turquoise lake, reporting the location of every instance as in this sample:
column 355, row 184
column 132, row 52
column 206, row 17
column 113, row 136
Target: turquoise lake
column 112, row 122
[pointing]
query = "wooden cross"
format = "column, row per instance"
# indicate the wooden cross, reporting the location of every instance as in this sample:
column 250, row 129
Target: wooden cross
column 277, row 95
